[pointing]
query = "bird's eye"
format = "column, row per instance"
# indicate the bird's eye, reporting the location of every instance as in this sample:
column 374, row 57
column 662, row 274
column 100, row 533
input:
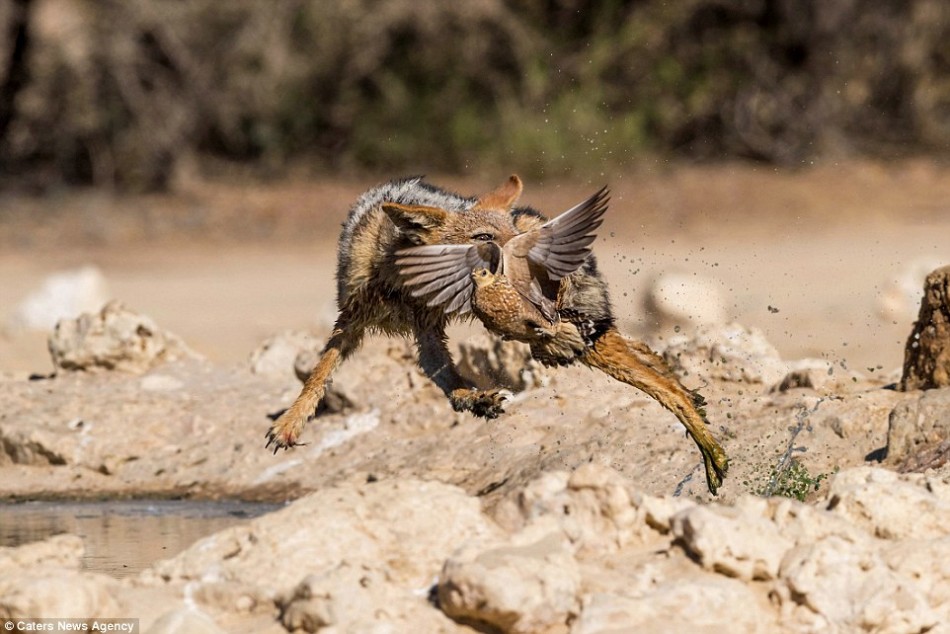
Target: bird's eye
column 483, row 237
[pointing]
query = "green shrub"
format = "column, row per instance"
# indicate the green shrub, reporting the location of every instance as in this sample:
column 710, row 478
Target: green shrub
column 117, row 91
column 794, row 481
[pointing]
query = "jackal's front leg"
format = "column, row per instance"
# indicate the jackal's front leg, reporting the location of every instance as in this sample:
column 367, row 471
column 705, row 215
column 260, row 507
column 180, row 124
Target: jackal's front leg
column 436, row 361
column 285, row 431
column 635, row 364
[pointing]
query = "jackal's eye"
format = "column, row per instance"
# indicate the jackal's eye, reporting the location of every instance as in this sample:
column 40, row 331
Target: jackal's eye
column 483, row 237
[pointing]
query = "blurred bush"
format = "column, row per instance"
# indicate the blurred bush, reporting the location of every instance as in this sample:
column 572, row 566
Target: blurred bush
column 117, row 92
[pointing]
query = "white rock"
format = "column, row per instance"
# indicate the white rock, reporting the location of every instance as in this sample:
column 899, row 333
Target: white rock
column 918, row 424
column 926, row 565
column 852, row 589
column 357, row 597
column 41, row 580
column 803, row 523
column 699, row 604
column 516, row 587
column 353, row 558
column 62, row 295
column 277, row 354
column 184, row 621
column 889, row 505
column 736, row 541
column 63, row 551
column 341, row 596
column 160, row 383
column 685, row 300
column 402, row 529
column 900, row 295
column 115, row 338
column 592, row 505
column 49, row 592
column 660, row 511
column 729, row 353
column 354, row 425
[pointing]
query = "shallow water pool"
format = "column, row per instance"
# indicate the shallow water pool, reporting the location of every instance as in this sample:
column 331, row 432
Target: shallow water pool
column 124, row 537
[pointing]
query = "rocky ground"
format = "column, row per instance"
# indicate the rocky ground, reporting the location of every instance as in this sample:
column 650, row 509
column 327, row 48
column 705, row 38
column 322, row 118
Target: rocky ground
column 582, row 510
column 569, row 514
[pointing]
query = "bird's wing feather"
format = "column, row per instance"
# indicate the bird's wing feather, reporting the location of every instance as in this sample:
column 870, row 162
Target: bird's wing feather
column 444, row 272
column 535, row 296
column 561, row 245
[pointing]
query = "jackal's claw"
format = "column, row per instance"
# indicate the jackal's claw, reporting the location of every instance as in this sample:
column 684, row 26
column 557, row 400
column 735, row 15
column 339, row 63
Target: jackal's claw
column 272, row 439
column 717, row 465
column 282, row 436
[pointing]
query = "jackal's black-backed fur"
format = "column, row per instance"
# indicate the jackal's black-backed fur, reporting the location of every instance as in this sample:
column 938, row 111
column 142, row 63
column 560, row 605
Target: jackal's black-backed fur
column 371, row 296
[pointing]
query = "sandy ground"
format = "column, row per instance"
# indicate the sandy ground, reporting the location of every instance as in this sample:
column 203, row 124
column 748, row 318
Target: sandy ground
column 826, row 262
column 225, row 266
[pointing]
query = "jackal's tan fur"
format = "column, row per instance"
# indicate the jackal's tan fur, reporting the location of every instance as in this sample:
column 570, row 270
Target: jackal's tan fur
column 370, row 295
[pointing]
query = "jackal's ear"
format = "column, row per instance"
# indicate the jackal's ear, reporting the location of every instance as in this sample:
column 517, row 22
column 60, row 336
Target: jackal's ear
column 415, row 219
column 503, row 196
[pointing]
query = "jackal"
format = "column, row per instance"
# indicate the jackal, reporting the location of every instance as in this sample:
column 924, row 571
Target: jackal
column 372, row 295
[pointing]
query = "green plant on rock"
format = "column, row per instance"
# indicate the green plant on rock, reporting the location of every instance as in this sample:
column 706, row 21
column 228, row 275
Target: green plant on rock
column 792, row 481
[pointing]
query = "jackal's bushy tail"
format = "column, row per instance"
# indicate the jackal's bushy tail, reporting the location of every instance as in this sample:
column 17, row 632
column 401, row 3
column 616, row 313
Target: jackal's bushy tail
column 632, row 362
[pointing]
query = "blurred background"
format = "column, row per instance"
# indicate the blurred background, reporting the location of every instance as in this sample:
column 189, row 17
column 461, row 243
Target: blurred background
column 198, row 155
column 125, row 93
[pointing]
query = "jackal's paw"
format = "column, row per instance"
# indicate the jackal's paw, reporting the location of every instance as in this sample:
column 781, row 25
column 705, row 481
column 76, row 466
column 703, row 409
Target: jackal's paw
column 484, row 403
column 717, row 465
column 285, row 431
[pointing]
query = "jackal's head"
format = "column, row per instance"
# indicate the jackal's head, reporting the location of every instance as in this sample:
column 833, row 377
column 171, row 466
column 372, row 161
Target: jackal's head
column 489, row 220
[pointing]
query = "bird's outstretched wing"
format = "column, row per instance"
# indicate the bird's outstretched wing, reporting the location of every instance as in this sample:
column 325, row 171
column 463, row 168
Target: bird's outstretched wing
column 444, row 271
column 561, row 245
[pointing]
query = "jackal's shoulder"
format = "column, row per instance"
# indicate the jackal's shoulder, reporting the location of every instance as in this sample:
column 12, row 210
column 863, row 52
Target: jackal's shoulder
column 368, row 237
column 412, row 190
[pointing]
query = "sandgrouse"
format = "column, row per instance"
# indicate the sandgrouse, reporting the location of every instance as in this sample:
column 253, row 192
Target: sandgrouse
column 518, row 282
column 502, row 309
column 516, row 288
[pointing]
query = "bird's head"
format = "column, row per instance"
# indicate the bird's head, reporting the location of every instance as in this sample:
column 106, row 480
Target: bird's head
column 482, row 277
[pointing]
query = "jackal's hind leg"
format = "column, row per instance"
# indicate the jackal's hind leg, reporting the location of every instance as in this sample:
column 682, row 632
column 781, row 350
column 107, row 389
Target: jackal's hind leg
column 285, row 431
column 635, row 364
column 436, row 361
